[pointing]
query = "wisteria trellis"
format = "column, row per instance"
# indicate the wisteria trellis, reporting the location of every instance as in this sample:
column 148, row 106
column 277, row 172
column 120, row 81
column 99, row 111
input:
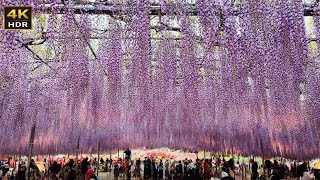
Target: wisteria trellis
column 218, row 85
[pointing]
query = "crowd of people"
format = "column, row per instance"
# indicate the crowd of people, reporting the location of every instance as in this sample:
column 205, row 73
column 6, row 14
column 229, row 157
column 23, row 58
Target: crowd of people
column 156, row 169
column 53, row 170
column 212, row 168
column 151, row 168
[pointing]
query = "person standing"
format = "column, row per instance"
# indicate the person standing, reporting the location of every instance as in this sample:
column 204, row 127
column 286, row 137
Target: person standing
column 71, row 170
column 155, row 169
column 304, row 173
column 116, row 170
column 127, row 153
column 161, row 169
column 54, row 170
column 101, row 161
column 206, row 170
column 22, row 171
column 254, row 169
column 146, row 169
column 166, row 169
column 132, row 169
column 137, row 169
column 84, row 167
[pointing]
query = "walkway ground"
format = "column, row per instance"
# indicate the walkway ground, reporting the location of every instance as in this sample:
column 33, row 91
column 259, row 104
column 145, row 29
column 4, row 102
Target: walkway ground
column 109, row 176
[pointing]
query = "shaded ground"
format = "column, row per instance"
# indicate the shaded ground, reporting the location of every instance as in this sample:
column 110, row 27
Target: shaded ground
column 109, row 176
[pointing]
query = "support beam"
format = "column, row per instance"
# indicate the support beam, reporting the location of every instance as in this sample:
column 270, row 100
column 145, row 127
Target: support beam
column 34, row 54
column 116, row 11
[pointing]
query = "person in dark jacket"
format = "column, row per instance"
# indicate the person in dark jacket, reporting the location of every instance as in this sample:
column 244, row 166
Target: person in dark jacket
column 54, row 169
column 160, row 170
column 254, row 169
column 316, row 174
column 147, row 168
column 84, row 167
column 22, row 172
column 71, row 170
column 155, row 172
column 101, row 161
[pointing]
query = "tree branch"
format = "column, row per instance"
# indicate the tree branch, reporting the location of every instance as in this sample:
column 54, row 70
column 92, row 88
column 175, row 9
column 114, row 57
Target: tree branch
column 34, row 54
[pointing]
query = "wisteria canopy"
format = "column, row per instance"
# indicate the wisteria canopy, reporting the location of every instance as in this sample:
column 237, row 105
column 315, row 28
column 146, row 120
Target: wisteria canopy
column 216, row 75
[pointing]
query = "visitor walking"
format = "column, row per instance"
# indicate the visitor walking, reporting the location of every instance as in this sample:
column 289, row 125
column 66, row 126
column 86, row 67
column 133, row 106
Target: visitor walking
column 254, row 170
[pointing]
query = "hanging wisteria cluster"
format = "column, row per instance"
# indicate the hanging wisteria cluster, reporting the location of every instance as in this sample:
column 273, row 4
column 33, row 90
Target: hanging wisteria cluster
column 232, row 78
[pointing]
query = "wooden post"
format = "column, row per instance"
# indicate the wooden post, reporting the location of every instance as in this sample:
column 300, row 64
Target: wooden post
column 14, row 162
column 262, row 150
column 109, row 162
column 98, row 159
column 19, row 159
column 31, row 140
column 118, row 154
column 235, row 162
column 232, row 150
column 249, row 166
column 77, row 150
column 296, row 166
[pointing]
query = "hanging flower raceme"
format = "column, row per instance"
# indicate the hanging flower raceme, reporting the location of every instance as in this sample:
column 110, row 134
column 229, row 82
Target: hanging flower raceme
column 216, row 75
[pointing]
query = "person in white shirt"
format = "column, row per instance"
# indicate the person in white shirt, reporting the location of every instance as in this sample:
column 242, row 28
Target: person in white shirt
column 224, row 172
column 142, row 169
column 132, row 168
column 306, row 176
